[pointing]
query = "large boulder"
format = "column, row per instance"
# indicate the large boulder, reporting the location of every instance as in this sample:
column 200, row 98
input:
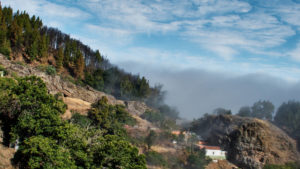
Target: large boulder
column 249, row 142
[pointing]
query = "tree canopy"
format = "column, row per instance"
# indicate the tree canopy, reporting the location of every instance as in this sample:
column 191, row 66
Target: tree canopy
column 31, row 119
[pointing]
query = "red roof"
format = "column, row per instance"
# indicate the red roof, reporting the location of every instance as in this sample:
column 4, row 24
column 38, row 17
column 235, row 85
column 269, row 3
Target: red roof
column 210, row 147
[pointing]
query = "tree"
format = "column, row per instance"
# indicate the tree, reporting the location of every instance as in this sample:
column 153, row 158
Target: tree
column 114, row 152
column 263, row 110
column 98, row 57
column 288, row 118
column 32, row 50
column 150, row 139
column 43, row 47
column 79, row 65
column 197, row 160
column 245, row 111
column 126, row 87
column 42, row 152
column 60, row 58
column 143, row 87
column 222, row 111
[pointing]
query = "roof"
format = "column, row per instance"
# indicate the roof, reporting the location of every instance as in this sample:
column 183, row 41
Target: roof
column 202, row 143
column 176, row 132
column 210, row 147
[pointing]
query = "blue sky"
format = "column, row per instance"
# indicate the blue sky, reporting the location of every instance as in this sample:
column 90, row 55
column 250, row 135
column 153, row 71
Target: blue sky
column 238, row 37
column 230, row 38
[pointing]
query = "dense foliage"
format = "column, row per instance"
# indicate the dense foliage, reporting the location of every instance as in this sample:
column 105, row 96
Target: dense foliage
column 261, row 109
column 156, row 159
column 288, row 118
column 31, row 120
column 286, row 166
column 196, row 158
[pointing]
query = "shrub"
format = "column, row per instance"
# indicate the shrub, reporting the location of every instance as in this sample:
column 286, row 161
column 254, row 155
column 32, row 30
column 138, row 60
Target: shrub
column 50, row 70
column 286, row 166
column 154, row 158
column 5, row 51
column 4, row 70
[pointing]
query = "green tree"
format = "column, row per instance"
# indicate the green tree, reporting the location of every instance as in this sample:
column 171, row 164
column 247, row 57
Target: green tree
column 32, row 50
column 150, row 139
column 245, row 111
column 43, row 46
column 98, row 57
column 143, row 88
column 126, row 87
column 79, row 65
column 263, row 110
column 223, row 111
column 288, row 118
column 42, row 152
column 197, row 160
column 60, row 58
column 114, row 152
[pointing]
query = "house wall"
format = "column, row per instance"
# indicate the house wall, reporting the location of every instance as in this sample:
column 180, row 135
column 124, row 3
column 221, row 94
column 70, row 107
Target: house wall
column 214, row 153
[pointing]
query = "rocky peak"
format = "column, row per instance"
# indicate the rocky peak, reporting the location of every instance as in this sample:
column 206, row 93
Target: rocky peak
column 249, row 142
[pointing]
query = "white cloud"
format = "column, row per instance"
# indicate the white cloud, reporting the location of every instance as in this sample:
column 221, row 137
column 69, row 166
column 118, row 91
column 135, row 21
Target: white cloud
column 46, row 9
column 295, row 54
column 224, row 27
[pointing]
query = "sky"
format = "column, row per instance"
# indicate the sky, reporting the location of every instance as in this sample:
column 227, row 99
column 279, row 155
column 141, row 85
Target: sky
column 206, row 53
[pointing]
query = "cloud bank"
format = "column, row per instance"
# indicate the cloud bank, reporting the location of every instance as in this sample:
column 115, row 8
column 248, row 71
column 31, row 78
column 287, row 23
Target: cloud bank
column 195, row 92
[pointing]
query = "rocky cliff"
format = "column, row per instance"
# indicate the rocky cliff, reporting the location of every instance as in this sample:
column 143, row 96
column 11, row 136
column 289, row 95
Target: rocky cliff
column 250, row 143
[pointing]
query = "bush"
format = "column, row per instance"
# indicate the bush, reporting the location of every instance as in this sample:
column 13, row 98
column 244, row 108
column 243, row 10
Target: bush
column 50, row 70
column 5, row 51
column 81, row 120
column 286, row 166
column 4, row 70
column 154, row 117
column 154, row 158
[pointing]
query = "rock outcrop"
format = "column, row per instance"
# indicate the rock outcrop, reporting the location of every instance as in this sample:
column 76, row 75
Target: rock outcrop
column 57, row 84
column 249, row 142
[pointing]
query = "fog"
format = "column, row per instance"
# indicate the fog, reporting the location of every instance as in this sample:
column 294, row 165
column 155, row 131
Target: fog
column 195, row 92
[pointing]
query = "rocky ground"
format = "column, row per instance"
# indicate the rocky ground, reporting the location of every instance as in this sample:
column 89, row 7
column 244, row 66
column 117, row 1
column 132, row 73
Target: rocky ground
column 221, row 164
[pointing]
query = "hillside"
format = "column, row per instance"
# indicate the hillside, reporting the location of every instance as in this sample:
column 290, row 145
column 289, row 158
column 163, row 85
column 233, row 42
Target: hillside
column 78, row 99
column 250, row 142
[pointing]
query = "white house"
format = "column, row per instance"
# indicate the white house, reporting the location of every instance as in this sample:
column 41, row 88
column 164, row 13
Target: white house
column 1, row 73
column 214, row 152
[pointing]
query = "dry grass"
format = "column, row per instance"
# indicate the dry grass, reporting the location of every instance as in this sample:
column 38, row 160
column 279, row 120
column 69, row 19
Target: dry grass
column 163, row 149
column 75, row 105
column 221, row 164
column 6, row 154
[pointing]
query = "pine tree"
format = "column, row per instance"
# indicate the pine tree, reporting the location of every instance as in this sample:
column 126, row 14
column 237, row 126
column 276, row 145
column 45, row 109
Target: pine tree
column 43, row 46
column 15, row 34
column 67, row 55
column 32, row 50
column 60, row 58
column 79, row 65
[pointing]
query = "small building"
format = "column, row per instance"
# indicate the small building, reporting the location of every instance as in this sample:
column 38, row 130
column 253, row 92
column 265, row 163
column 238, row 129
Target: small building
column 1, row 73
column 214, row 152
